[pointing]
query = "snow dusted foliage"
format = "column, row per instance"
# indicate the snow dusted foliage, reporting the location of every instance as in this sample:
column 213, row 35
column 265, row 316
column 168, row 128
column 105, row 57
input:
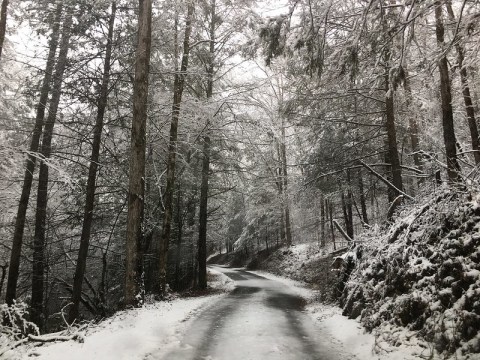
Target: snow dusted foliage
column 420, row 278
column 19, row 328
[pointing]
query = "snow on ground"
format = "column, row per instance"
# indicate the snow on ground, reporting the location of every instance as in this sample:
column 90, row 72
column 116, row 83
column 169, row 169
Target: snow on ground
column 130, row 334
column 348, row 333
column 221, row 281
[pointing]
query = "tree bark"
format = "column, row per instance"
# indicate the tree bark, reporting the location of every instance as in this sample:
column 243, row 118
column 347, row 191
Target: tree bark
column 178, row 250
column 92, row 175
column 363, row 202
column 2, row 278
column 3, row 23
column 43, row 177
column 453, row 168
column 467, row 98
column 322, row 221
column 413, row 130
column 136, row 183
column 286, row 207
column 13, row 272
column 332, row 229
column 178, row 87
column 391, row 132
column 203, row 215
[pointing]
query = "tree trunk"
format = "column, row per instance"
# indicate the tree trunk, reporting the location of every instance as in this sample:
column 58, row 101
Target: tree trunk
column 391, row 131
column 332, row 229
column 347, row 213
column 178, row 250
column 2, row 278
column 3, row 23
column 178, row 87
column 136, row 183
column 202, row 229
column 413, row 130
column 286, row 208
column 43, row 178
column 446, row 96
column 363, row 202
column 13, row 272
column 92, row 174
column 467, row 98
column 322, row 221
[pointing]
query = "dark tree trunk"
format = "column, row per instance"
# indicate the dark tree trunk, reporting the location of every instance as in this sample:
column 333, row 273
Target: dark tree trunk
column 467, row 98
column 413, row 130
column 391, row 132
column 349, row 204
column 2, row 278
column 92, row 175
column 347, row 214
column 202, row 229
column 43, row 178
column 322, row 221
column 178, row 87
column 3, row 23
column 332, row 228
column 446, row 96
column 363, row 202
column 286, row 207
column 136, row 184
column 13, row 272
column 178, row 250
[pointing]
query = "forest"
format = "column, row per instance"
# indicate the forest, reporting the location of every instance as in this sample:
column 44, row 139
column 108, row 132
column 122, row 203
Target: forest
column 140, row 138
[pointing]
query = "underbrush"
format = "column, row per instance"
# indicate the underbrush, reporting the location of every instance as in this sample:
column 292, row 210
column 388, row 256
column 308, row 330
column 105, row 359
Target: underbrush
column 420, row 277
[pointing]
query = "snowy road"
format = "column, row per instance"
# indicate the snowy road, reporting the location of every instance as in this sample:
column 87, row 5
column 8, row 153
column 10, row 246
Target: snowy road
column 259, row 319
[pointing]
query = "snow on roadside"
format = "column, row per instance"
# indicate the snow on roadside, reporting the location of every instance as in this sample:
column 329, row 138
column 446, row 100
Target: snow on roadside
column 221, row 281
column 298, row 287
column 348, row 333
column 131, row 334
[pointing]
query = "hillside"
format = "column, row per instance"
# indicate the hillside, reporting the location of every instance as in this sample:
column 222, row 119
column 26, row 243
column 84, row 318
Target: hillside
column 420, row 278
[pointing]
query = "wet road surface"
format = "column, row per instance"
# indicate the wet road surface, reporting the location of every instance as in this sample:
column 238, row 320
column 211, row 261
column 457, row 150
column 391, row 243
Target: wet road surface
column 260, row 319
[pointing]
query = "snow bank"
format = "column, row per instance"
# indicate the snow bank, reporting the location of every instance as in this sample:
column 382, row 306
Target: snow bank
column 418, row 282
column 130, row 334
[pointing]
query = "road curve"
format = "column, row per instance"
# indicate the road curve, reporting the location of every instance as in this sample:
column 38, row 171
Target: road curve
column 260, row 319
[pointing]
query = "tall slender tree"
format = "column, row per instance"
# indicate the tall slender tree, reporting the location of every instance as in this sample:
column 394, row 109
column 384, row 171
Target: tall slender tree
column 467, row 97
column 15, row 255
column 39, row 240
column 136, row 184
column 178, row 87
column 202, row 230
column 92, row 173
column 446, row 99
